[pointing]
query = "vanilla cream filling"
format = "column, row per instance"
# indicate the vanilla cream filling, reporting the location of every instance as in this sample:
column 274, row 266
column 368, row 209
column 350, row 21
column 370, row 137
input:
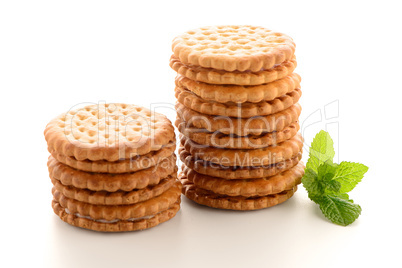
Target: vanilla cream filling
column 106, row 221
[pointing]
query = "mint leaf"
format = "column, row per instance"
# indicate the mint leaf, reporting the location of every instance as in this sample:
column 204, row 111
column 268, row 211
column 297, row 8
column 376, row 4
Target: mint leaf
column 339, row 209
column 313, row 186
column 321, row 150
column 309, row 180
column 333, row 186
column 326, row 172
column 321, row 183
column 349, row 174
column 327, row 183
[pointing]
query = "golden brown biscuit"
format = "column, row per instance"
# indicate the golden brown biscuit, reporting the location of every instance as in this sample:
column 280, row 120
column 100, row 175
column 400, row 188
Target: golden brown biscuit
column 235, row 173
column 249, row 187
column 108, row 132
column 117, row 197
column 213, row 76
column 108, row 181
column 240, row 94
column 241, row 110
column 218, row 139
column 122, row 166
column 233, row 48
column 118, row 225
column 120, row 212
column 240, row 126
column 210, row 199
column 244, row 158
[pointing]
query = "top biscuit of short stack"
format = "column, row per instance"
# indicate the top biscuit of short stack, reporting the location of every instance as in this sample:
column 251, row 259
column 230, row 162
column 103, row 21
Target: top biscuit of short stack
column 233, row 48
column 108, row 132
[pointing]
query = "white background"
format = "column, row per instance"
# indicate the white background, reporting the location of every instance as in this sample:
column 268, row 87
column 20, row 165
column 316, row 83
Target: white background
column 56, row 54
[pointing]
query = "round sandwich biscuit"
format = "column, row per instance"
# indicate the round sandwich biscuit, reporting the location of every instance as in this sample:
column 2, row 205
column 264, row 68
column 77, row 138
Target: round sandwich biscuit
column 219, row 77
column 133, row 224
column 236, row 173
column 241, row 157
column 211, row 199
column 121, row 166
column 233, row 48
column 241, row 110
column 249, row 187
column 218, row 139
column 240, row 94
column 240, row 126
column 120, row 212
column 111, row 182
column 108, row 132
column 117, row 197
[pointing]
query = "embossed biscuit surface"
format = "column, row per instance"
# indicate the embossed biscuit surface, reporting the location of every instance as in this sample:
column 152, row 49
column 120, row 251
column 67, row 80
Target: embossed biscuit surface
column 108, row 132
column 233, row 47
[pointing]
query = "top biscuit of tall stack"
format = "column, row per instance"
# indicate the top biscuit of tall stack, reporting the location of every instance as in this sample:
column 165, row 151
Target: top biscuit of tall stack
column 109, row 132
column 233, row 48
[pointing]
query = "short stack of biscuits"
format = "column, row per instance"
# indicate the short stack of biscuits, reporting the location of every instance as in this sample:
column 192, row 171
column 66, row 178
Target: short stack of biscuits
column 237, row 112
column 113, row 167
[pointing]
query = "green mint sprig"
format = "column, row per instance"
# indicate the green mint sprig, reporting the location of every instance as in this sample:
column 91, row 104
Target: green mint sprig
column 328, row 183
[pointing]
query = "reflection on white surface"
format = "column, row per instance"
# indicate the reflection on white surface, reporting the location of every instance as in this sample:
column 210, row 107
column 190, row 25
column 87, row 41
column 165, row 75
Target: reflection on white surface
column 199, row 230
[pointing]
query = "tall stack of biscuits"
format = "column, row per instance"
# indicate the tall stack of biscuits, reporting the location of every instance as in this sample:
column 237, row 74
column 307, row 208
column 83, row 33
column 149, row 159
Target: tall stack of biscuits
column 113, row 167
column 237, row 111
